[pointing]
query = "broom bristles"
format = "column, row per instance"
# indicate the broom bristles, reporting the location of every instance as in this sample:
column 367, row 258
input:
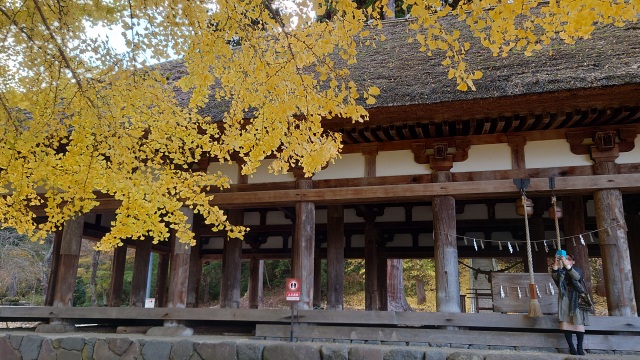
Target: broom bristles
column 534, row 309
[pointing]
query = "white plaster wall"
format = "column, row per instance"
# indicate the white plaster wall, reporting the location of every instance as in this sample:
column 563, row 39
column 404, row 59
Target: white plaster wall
column 351, row 217
column 551, row 153
column 485, row 157
column 390, row 163
column 632, row 156
column 401, row 240
column 474, row 211
column 422, row 213
column 273, row 242
column 277, row 218
column 348, row 166
column 214, row 243
column 506, row 210
column 262, row 174
column 392, row 214
column 251, row 218
column 229, row 170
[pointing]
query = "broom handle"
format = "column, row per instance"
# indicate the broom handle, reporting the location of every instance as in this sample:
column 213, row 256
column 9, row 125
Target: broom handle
column 555, row 210
column 526, row 233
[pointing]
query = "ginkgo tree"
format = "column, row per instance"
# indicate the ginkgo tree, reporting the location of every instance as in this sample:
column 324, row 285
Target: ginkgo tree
column 81, row 120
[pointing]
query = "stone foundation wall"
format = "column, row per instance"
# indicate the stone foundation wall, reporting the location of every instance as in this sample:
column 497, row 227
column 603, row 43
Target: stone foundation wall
column 77, row 346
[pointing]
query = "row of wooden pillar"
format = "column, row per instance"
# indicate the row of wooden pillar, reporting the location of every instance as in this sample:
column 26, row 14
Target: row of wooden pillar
column 184, row 275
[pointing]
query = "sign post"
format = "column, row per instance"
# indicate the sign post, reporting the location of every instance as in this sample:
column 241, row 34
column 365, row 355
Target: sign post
column 292, row 294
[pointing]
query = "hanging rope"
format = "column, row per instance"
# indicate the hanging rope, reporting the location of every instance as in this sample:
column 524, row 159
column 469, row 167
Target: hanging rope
column 534, row 305
column 555, row 218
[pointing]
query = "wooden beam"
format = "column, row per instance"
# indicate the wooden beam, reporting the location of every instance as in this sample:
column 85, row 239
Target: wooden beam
column 231, row 265
column 335, row 257
column 303, row 247
column 425, row 192
column 256, row 273
column 53, row 273
column 179, row 272
column 140, row 273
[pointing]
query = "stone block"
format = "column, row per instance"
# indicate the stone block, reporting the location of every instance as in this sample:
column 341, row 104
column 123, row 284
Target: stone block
column 55, row 328
column 30, row 347
column 225, row 350
column 434, row 354
column 478, row 347
column 514, row 355
column 501, row 347
column 15, row 341
column 181, row 350
column 64, row 354
column 118, row 345
column 249, row 350
column 7, row 351
column 132, row 353
column 72, row 343
column 47, row 352
column 156, row 350
column 298, row 351
column 420, row 344
column 373, row 342
column 334, row 352
column 438, row 345
column 404, row 354
column 101, row 351
column 365, row 353
column 465, row 356
column 172, row 331
column 393, row 343
column 459, row 346
column 537, row 349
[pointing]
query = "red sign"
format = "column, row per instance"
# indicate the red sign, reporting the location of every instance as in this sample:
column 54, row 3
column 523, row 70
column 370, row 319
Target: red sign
column 292, row 292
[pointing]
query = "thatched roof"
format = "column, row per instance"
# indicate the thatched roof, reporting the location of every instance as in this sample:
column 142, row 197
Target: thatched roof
column 409, row 77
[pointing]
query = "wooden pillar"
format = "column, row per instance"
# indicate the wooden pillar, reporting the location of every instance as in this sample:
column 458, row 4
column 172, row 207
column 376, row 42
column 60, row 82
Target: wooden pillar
column 335, row 257
column 382, row 281
column 614, row 248
column 537, row 233
column 371, row 265
column 161, row 280
column 632, row 218
column 117, row 275
column 179, row 273
column 256, row 273
column 573, row 211
column 55, row 262
column 231, row 266
column 68, row 266
column 195, row 273
column 303, row 247
column 140, row 273
column 445, row 249
column 317, row 282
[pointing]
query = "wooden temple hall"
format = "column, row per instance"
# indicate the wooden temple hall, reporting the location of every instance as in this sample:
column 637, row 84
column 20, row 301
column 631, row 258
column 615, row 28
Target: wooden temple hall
column 429, row 176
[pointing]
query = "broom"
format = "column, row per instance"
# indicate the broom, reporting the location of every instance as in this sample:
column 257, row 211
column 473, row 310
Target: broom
column 534, row 305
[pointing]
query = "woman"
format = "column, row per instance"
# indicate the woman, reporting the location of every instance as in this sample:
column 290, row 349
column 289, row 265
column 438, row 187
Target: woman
column 572, row 319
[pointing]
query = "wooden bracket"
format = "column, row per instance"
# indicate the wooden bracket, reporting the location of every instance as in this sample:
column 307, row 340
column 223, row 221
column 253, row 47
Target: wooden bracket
column 607, row 144
column 439, row 157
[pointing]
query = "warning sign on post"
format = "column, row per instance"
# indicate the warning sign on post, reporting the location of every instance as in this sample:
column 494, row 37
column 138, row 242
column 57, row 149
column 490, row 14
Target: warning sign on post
column 292, row 292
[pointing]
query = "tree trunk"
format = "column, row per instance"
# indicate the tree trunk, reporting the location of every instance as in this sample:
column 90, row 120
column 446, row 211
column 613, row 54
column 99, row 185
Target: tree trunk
column 95, row 261
column 397, row 301
column 421, row 294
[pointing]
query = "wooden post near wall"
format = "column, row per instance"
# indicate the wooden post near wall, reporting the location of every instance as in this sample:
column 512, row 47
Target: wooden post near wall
column 614, row 248
column 140, row 273
column 117, row 275
column 195, row 270
column 573, row 219
column 371, row 264
column 632, row 218
column 317, row 282
column 53, row 274
column 68, row 265
column 335, row 257
column 231, row 265
column 445, row 249
column 303, row 247
column 537, row 233
column 161, row 279
column 256, row 272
